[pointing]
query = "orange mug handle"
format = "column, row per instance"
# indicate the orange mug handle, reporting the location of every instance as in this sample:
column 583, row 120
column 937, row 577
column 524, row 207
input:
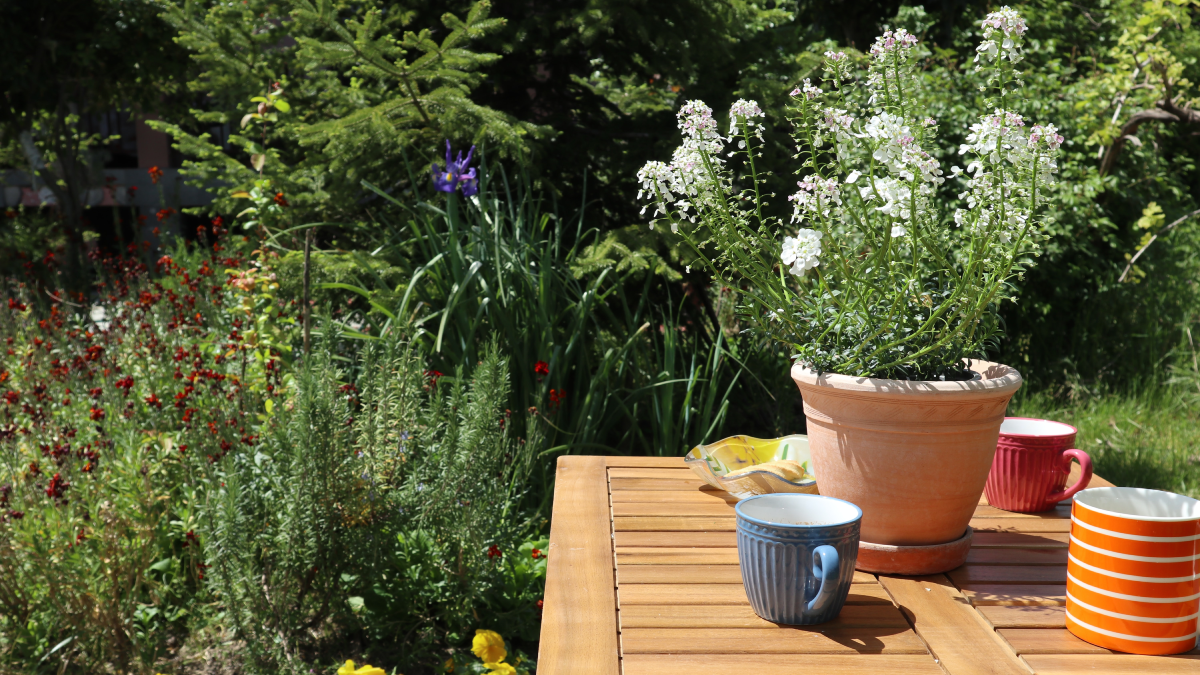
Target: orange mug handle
column 1085, row 474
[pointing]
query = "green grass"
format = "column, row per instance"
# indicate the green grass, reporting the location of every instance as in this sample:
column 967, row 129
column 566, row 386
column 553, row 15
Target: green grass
column 1145, row 438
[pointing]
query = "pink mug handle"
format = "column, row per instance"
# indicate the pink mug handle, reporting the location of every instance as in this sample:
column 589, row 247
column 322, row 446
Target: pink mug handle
column 1085, row 474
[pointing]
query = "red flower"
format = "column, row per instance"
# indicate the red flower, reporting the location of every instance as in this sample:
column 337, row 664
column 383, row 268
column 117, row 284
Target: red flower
column 155, row 174
column 58, row 485
column 97, row 414
column 539, row 605
column 11, row 397
column 494, row 551
column 152, row 399
column 279, row 199
column 163, row 214
column 541, row 368
column 34, row 469
column 537, row 554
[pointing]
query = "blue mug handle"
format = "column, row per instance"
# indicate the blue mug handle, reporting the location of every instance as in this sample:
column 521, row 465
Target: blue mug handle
column 826, row 566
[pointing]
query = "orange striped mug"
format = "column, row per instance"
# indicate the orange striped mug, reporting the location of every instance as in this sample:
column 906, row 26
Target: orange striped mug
column 1133, row 570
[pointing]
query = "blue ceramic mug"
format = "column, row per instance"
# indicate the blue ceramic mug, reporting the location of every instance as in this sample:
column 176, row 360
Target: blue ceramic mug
column 797, row 554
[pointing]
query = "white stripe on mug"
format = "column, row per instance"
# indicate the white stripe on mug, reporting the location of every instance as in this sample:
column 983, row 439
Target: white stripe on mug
column 1130, row 617
column 1133, row 638
column 1126, row 556
column 1130, row 577
column 1124, row 596
column 1131, row 537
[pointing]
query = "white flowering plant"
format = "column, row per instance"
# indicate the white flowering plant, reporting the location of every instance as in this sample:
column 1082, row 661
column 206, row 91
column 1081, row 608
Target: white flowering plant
column 876, row 273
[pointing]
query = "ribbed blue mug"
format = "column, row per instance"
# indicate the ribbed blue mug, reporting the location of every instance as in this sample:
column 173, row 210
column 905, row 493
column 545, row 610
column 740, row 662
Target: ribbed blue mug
column 797, row 554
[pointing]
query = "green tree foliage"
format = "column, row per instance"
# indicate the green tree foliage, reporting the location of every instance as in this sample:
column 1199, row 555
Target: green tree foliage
column 359, row 92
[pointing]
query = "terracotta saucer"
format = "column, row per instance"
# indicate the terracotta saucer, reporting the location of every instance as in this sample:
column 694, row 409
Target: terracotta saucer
column 931, row 559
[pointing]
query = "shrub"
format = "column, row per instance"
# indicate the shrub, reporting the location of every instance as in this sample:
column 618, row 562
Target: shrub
column 375, row 514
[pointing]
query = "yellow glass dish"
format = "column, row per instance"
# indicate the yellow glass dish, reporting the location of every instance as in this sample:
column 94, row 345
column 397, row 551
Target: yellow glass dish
column 714, row 461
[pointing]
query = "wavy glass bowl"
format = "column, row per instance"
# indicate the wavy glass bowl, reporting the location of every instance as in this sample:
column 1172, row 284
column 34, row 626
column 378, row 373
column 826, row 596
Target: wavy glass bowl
column 713, row 461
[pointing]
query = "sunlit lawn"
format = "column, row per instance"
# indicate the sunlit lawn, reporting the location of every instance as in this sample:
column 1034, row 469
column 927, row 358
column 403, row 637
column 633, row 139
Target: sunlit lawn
column 1147, row 439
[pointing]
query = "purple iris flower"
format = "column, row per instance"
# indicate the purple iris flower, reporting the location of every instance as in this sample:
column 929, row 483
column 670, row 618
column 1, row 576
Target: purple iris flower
column 457, row 174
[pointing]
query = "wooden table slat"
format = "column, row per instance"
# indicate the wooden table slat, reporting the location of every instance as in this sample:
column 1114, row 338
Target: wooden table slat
column 1047, row 641
column 696, row 573
column 779, row 664
column 1026, row 540
column 1017, row 556
column 579, row 620
column 1059, row 513
column 1009, row 574
column 1019, row 524
column 674, row 524
column 714, row 508
column 1113, row 664
column 1008, row 616
column 788, row 640
column 1016, row 594
column 676, row 539
column 955, row 633
column 1053, row 641
column 643, row 484
column 694, row 496
column 656, row 473
column 742, row 616
column 725, row 594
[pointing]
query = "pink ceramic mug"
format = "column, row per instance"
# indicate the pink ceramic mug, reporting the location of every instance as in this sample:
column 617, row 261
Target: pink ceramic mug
column 1033, row 458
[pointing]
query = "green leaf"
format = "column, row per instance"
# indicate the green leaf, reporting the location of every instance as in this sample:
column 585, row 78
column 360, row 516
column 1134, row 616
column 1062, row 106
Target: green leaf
column 282, row 106
column 161, row 565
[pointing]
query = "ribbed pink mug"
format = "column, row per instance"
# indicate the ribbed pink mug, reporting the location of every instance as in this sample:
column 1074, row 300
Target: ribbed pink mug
column 1033, row 458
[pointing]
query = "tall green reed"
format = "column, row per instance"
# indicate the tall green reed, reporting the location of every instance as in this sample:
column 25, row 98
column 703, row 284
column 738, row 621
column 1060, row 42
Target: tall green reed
column 624, row 371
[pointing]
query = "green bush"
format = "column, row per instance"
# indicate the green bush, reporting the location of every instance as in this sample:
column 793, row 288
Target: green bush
column 375, row 517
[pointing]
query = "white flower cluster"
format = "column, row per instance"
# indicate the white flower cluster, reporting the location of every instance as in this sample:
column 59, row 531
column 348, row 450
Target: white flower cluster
column 808, row 90
column 1006, row 26
column 998, row 140
column 898, row 42
column 891, row 50
column 743, row 110
column 898, row 151
column 687, row 182
column 836, row 122
column 816, row 197
column 895, row 194
column 837, row 65
column 1047, row 134
column 802, row 252
column 996, row 136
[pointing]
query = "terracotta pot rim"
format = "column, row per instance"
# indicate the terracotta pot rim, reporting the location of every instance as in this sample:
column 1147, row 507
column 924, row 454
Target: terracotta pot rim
column 993, row 378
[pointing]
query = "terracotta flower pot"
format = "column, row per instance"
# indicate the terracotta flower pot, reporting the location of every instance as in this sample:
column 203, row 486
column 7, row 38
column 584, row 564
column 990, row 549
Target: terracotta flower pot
column 914, row 456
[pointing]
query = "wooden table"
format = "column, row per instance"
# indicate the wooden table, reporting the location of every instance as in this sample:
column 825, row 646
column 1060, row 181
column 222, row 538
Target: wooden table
column 643, row 578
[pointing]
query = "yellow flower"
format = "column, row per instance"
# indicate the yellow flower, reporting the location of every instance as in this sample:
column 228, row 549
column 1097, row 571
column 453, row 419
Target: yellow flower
column 489, row 646
column 500, row 669
column 348, row 669
column 449, row 665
